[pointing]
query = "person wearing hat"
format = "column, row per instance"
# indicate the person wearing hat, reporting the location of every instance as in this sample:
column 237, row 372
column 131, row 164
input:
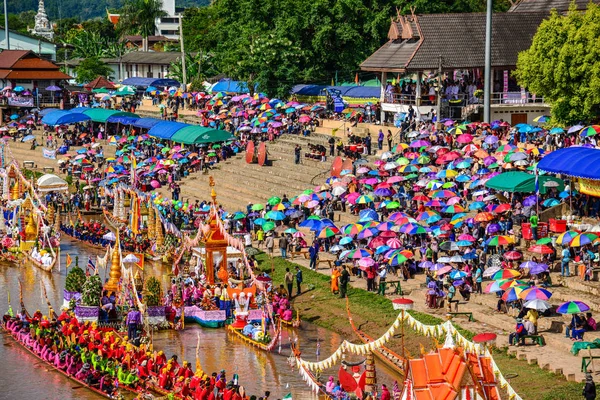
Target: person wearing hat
column 516, row 336
column 589, row 390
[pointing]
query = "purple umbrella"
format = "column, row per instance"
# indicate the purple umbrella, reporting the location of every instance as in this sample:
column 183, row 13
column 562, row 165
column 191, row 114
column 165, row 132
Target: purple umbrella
column 419, row 143
column 538, row 269
column 426, row 265
column 491, row 139
column 458, row 282
column 383, row 192
column 493, row 228
column 53, row 88
column 528, row 264
column 530, row 201
column 489, row 161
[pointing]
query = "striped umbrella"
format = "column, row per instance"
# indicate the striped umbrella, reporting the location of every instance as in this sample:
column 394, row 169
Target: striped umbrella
column 453, row 209
column 364, row 199
column 565, row 238
column 397, row 259
column 513, row 255
column 508, row 283
column 394, row 243
column 352, row 229
column 499, row 240
column 506, row 274
column 359, row 253
column 512, row 294
column 328, row 232
column 534, row 293
column 572, row 307
column 583, row 239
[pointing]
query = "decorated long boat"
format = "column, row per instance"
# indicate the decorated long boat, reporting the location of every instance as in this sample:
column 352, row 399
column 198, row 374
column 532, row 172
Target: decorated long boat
column 266, row 346
column 86, row 243
column 384, row 354
column 32, row 259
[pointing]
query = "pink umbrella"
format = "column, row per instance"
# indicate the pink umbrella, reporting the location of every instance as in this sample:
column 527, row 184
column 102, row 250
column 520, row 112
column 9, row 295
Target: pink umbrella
column 444, row 270
column 366, row 262
column 468, row 237
column 304, row 119
column 362, row 170
column 352, row 197
column 394, row 243
column 155, row 184
column 464, row 138
column 372, row 181
column 453, row 200
column 377, row 242
column 395, row 179
column 312, row 204
column 298, row 234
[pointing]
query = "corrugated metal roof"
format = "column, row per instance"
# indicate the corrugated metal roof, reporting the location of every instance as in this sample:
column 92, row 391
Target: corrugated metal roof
column 392, row 56
column 536, row 6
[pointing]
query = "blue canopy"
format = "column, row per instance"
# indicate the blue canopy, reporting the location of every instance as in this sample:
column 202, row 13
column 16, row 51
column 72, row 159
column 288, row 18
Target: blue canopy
column 580, row 162
column 146, row 123
column 122, row 119
column 63, row 118
column 145, row 82
column 166, row 129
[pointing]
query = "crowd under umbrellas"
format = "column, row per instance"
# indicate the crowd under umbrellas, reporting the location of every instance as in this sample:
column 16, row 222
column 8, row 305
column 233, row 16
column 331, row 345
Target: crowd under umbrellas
column 424, row 207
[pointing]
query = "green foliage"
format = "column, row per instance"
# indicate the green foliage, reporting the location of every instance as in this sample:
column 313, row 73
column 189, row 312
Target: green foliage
column 154, row 292
column 90, row 68
column 139, row 17
column 198, row 66
column 75, row 280
column 563, row 64
column 20, row 22
column 92, row 291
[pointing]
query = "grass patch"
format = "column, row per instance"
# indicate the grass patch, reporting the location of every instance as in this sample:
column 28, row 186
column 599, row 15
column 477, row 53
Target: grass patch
column 374, row 314
column 29, row 174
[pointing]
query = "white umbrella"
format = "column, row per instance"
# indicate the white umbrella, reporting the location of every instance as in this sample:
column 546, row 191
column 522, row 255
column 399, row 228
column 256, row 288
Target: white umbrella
column 491, row 271
column 412, row 134
column 538, row 304
column 386, row 155
column 131, row 259
column 457, row 259
column 338, row 190
column 390, row 165
column 110, row 236
column 444, row 260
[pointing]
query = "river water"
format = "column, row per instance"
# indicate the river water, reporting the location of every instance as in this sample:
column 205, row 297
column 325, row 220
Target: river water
column 21, row 377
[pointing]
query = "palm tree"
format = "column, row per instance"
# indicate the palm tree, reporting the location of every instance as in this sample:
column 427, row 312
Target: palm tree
column 139, row 17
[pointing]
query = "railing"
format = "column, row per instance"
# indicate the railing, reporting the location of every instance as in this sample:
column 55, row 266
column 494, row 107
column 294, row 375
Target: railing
column 516, row 98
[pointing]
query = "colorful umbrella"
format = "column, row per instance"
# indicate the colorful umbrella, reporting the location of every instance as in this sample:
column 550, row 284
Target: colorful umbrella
column 506, row 274
column 541, row 248
column 572, row 307
column 534, row 293
column 583, row 239
column 499, row 240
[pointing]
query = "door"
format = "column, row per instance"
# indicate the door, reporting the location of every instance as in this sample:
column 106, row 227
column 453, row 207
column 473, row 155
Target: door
column 518, row 119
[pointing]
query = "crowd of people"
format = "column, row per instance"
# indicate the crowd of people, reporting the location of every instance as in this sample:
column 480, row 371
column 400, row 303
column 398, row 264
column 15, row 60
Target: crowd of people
column 110, row 363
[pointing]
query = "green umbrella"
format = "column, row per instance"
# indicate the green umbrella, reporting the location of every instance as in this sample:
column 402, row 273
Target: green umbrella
column 392, row 205
column 239, row 215
column 258, row 207
column 545, row 240
column 268, row 226
column 274, row 201
column 308, row 191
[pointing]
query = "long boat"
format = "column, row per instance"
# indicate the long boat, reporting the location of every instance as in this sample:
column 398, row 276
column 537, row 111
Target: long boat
column 263, row 346
column 322, row 394
column 83, row 242
column 393, row 360
column 47, row 268
column 112, row 220
column 64, row 373
column 294, row 323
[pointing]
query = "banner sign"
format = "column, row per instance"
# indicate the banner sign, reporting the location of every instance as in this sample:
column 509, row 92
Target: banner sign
column 51, row 154
column 20, row 101
column 588, row 186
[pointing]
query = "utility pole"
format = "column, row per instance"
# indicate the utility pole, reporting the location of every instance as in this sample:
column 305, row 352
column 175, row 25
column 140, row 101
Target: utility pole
column 488, row 64
column 183, row 70
column 439, row 84
column 6, row 34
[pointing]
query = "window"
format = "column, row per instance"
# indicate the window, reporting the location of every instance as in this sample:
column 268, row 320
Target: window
column 23, row 81
column 169, row 20
column 169, row 32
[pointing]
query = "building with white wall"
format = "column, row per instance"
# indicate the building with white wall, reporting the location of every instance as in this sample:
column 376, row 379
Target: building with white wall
column 18, row 41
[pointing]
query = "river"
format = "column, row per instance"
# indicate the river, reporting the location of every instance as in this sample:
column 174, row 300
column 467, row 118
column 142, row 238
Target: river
column 24, row 378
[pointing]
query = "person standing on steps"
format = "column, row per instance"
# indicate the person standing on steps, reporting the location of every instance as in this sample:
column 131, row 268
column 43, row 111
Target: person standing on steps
column 283, row 245
column 344, row 279
column 390, row 139
column 297, row 151
column 380, row 140
column 289, row 282
column 299, row 280
column 368, row 143
column 331, row 142
column 313, row 252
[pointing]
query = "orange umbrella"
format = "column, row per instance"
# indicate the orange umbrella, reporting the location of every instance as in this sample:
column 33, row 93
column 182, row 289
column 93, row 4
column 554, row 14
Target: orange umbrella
column 484, row 216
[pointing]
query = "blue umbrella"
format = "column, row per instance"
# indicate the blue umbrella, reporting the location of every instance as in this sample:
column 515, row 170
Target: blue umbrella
column 259, row 221
column 457, row 274
column 310, row 223
column 345, row 240
column 368, row 215
column 476, row 205
column 551, row 202
column 470, row 256
column 28, row 138
column 556, row 131
column 14, row 116
column 150, row 89
column 275, row 215
column 463, row 243
column 19, row 89
column 382, row 249
column 462, row 178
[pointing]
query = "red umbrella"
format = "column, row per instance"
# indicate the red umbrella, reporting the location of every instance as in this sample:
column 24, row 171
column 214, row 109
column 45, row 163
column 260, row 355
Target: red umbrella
column 484, row 337
column 541, row 248
column 421, row 198
column 513, row 255
column 502, row 208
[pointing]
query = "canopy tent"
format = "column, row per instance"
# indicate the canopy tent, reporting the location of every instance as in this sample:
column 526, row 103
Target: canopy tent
column 122, row 119
column 102, row 114
column 50, row 182
column 145, row 82
column 79, row 109
column 347, row 91
column 517, row 181
column 63, row 118
column 580, row 162
column 166, row 129
column 195, row 134
column 146, row 123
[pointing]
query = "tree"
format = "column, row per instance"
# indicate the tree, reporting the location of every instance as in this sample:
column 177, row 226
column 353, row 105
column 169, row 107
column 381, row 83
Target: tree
column 75, row 280
column 91, row 68
column 139, row 17
column 563, row 64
